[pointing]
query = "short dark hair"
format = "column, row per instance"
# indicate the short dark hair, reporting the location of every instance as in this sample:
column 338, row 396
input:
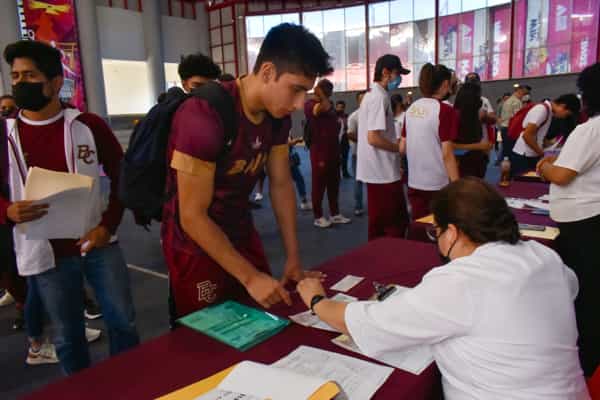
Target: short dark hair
column 7, row 96
column 342, row 102
column 396, row 99
column 570, row 101
column 292, row 48
column 45, row 57
column 476, row 209
column 161, row 97
column 389, row 61
column 226, row 78
column 588, row 83
column 473, row 77
column 432, row 77
column 326, row 86
column 198, row 65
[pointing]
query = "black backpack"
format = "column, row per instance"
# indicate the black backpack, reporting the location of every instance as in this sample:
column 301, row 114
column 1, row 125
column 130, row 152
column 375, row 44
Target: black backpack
column 142, row 184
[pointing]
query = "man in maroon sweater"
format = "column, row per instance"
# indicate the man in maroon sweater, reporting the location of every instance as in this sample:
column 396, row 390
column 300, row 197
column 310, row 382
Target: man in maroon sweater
column 45, row 134
column 324, row 129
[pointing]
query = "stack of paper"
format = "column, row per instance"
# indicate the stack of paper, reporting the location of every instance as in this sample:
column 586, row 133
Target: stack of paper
column 234, row 324
column 69, row 199
column 307, row 318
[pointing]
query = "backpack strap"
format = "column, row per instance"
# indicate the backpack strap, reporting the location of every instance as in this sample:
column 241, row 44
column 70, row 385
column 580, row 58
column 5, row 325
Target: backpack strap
column 548, row 111
column 223, row 103
column 3, row 158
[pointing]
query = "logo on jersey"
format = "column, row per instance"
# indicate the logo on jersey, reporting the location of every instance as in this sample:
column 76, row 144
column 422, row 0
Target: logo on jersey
column 252, row 167
column 207, row 291
column 85, row 154
column 417, row 112
column 257, row 144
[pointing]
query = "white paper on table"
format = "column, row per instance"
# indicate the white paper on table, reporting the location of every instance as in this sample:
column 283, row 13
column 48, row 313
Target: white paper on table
column 358, row 379
column 539, row 204
column 545, row 197
column 515, row 203
column 218, row 394
column 347, row 283
column 307, row 318
column 271, row 382
column 413, row 360
column 67, row 216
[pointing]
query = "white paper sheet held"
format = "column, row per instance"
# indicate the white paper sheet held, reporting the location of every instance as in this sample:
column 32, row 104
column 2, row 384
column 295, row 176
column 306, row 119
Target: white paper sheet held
column 347, row 283
column 358, row 379
column 307, row 318
column 218, row 394
column 267, row 382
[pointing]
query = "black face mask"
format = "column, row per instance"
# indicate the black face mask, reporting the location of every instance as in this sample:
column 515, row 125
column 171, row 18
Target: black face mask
column 30, row 96
column 446, row 258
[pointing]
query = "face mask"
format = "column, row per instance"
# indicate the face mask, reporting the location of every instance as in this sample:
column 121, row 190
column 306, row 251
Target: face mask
column 446, row 258
column 394, row 83
column 30, row 95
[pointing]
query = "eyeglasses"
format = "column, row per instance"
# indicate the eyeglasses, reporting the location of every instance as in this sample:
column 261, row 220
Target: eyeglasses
column 432, row 232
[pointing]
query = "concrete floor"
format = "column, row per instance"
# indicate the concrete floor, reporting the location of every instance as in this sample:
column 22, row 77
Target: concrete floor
column 142, row 250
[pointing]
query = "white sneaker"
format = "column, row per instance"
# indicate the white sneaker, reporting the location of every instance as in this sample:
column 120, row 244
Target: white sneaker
column 305, row 206
column 92, row 334
column 45, row 355
column 258, row 197
column 322, row 223
column 7, row 299
column 340, row 219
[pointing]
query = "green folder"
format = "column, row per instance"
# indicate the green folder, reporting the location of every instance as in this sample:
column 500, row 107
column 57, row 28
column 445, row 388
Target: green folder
column 235, row 324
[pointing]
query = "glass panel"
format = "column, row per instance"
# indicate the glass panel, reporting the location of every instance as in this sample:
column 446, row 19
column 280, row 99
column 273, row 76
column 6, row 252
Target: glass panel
column 356, row 56
column 293, row 18
column 335, row 20
column 448, row 40
column 215, row 37
column 226, row 18
column 230, row 68
column 271, row 21
column 499, row 62
column 126, row 86
column 217, row 54
column 424, row 43
column 252, row 47
column 355, row 17
column 254, row 6
column 401, row 44
column 313, row 21
column 228, row 52
column 584, row 38
column 228, row 34
column 171, row 75
column 379, row 14
column 425, row 9
column 469, row 5
column 333, row 42
column 491, row 3
column 401, row 11
column 254, row 27
column 449, row 7
column 215, row 18
column 379, row 45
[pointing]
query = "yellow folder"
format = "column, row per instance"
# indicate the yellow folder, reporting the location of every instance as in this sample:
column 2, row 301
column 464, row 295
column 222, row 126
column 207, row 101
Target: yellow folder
column 426, row 220
column 326, row 392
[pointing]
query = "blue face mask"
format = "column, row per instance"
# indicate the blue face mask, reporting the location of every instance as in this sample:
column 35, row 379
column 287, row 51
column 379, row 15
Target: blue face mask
column 394, row 83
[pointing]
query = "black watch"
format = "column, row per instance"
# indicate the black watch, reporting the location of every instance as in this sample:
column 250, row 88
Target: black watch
column 314, row 301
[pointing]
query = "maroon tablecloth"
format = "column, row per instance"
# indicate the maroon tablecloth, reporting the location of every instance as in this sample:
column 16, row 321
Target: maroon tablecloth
column 183, row 357
column 519, row 189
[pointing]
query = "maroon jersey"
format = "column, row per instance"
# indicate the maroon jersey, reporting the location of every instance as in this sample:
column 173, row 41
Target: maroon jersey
column 197, row 141
column 324, row 130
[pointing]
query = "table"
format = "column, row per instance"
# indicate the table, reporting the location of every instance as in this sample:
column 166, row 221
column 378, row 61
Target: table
column 519, row 189
column 183, row 357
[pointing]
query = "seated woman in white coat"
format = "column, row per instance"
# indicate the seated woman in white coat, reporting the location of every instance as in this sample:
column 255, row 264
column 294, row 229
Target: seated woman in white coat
column 499, row 316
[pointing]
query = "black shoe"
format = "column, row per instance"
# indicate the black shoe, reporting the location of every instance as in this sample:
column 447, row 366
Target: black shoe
column 19, row 322
column 92, row 310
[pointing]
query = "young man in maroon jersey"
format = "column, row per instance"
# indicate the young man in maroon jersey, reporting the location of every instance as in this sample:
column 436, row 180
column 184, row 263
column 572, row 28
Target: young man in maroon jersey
column 210, row 244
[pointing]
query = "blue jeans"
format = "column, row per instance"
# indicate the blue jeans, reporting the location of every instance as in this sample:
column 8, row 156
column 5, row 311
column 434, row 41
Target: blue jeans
column 358, row 187
column 34, row 311
column 61, row 291
column 299, row 180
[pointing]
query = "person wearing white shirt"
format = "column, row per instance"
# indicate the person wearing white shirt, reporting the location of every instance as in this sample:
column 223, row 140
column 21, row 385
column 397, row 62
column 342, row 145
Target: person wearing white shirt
column 430, row 126
column 529, row 147
column 499, row 317
column 379, row 162
column 353, row 139
column 575, row 205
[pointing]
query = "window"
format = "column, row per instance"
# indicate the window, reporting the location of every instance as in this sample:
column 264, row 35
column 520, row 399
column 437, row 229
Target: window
column 222, row 38
column 126, row 85
column 554, row 36
column 257, row 28
column 171, row 75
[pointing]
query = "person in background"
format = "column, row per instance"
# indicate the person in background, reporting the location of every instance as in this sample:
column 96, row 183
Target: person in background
column 529, row 147
column 195, row 70
column 295, row 163
column 353, row 138
column 340, row 110
column 574, row 178
column 509, row 108
column 226, row 78
column 487, row 115
column 430, row 126
column 498, row 316
column 324, row 154
column 472, row 144
column 500, row 102
column 379, row 160
column 55, row 269
column 209, row 240
column 7, row 106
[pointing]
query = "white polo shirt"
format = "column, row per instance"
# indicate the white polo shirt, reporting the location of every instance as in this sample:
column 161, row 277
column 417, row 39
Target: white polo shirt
column 428, row 123
column 580, row 199
column 541, row 116
column 375, row 114
column 500, row 323
column 353, row 127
